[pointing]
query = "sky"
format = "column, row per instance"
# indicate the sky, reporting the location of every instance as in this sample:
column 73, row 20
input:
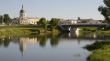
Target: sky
column 67, row 9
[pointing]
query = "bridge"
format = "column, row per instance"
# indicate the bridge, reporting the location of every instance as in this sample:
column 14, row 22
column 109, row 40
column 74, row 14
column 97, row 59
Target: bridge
column 84, row 25
column 68, row 26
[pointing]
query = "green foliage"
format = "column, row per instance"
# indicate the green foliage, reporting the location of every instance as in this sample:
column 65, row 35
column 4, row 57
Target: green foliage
column 43, row 22
column 93, row 29
column 100, row 51
column 54, row 22
column 107, row 3
column 1, row 19
column 105, row 11
column 25, row 30
column 14, row 32
column 97, row 45
column 7, row 19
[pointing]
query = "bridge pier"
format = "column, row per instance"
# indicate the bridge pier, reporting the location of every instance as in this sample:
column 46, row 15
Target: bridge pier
column 69, row 29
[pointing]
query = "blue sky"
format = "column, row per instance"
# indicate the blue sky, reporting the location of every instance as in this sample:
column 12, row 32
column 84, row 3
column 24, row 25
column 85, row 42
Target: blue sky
column 53, row 8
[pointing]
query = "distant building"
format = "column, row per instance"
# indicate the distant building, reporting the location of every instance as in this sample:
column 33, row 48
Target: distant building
column 67, row 22
column 79, row 21
column 23, row 19
column 89, row 21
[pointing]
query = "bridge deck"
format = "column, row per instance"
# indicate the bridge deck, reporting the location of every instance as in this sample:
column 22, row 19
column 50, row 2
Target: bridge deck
column 84, row 25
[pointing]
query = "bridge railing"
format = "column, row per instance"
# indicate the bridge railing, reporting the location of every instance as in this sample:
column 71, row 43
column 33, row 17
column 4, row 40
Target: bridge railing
column 86, row 24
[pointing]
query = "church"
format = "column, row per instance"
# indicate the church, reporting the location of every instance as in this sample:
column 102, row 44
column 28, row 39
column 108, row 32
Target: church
column 24, row 20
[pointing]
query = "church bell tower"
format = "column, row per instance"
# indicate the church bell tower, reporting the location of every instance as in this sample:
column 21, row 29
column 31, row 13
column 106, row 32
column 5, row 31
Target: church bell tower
column 22, row 13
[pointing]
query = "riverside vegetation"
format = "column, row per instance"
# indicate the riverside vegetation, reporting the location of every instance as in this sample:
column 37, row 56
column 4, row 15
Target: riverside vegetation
column 100, row 51
column 94, row 30
column 25, row 30
column 43, row 27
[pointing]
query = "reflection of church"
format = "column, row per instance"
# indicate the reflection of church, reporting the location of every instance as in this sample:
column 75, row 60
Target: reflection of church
column 23, row 19
column 24, row 42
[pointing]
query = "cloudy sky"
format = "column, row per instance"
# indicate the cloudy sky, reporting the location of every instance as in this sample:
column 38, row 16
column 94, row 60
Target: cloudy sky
column 70, row 9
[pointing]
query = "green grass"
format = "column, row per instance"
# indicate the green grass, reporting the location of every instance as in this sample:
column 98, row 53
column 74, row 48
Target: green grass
column 14, row 31
column 93, row 30
column 24, row 30
column 102, row 32
column 88, row 28
column 100, row 51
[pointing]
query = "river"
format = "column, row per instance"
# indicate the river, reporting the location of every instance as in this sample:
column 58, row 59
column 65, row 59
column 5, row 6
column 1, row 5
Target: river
column 64, row 47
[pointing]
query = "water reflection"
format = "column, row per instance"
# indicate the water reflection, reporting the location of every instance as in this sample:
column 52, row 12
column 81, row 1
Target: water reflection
column 41, row 40
column 5, row 41
column 62, row 45
column 77, row 32
column 25, row 41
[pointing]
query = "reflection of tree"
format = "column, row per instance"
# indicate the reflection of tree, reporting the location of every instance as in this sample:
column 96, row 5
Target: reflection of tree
column 42, row 40
column 54, row 40
column 1, row 42
column 5, row 41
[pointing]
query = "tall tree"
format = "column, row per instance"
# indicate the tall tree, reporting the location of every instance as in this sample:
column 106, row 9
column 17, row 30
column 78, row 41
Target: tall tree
column 43, row 22
column 105, row 11
column 54, row 22
column 1, row 19
column 6, row 19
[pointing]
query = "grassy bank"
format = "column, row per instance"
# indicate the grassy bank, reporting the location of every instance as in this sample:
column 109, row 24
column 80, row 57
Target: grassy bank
column 93, row 30
column 25, row 30
column 14, row 31
column 100, row 51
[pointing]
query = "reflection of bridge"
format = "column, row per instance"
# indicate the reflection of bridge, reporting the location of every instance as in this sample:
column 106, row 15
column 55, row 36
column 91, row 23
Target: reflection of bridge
column 68, row 26
column 84, row 37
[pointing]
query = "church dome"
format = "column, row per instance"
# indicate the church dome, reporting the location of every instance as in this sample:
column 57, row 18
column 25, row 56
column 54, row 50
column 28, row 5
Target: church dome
column 22, row 11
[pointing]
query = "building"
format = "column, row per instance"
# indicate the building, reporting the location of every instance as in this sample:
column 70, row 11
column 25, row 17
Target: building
column 23, row 19
column 67, row 22
column 79, row 21
column 89, row 21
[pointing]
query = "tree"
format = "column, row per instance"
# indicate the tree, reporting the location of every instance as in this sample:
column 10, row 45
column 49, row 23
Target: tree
column 1, row 19
column 79, row 18
column 6, row 19
column 43, row 22
column 107, row 3
column 54, row 22
column 105, row 11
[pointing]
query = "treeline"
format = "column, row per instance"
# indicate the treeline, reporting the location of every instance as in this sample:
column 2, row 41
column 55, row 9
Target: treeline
column 53, row 23
column 43, row 22
column 5, row 19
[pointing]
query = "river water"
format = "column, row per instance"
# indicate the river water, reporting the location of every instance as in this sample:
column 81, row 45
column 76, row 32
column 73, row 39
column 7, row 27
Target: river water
column 64, row 47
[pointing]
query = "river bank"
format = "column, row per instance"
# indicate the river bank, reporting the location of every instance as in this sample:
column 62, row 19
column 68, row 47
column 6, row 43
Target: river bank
column 25, row 30
column 100, row 51
column 33, row 29
column 94, row 30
